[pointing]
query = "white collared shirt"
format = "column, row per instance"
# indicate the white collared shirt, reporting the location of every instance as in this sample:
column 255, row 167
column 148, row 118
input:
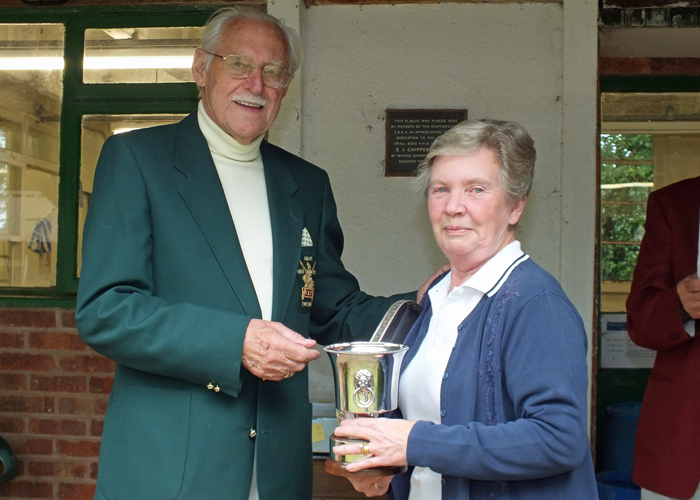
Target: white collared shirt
column 419, row 389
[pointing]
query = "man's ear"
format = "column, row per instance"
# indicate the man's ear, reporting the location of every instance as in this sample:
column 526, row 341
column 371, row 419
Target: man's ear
column 199, row 67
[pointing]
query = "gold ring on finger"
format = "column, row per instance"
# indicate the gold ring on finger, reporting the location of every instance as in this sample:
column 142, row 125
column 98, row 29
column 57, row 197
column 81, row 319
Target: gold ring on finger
column 377, row 486
column 288, row 374
column 365, row 449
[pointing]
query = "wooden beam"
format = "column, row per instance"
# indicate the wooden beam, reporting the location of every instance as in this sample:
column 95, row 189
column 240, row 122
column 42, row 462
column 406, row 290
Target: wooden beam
column 423, row 2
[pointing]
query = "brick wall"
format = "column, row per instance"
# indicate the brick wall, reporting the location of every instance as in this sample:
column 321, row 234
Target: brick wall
column 53, row 397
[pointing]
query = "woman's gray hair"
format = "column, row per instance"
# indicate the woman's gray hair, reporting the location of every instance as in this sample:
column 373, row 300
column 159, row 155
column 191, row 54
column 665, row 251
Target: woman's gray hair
column 511, row 143
column 217, row 23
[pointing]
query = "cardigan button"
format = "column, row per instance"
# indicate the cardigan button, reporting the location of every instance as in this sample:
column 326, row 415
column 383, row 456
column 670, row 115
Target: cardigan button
column 444, row 376
column 442, row 413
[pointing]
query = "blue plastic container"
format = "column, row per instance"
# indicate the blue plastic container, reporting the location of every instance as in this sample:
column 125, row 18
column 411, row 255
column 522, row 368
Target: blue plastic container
column 619, row 432
column 617, row 486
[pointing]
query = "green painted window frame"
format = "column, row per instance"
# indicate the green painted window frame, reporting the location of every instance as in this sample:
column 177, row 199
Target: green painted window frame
column 81, row 99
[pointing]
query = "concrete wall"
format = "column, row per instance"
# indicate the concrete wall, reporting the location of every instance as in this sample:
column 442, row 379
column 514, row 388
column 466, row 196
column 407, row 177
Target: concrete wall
column 534, row 63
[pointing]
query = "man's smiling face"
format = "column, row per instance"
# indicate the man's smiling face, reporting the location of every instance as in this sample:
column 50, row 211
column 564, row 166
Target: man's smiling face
column 243, row 107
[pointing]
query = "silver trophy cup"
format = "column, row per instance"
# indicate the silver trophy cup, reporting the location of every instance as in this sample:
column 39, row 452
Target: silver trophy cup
column 366, row 385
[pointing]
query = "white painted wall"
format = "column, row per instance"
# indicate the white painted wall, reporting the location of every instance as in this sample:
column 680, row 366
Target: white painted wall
column 534, row 63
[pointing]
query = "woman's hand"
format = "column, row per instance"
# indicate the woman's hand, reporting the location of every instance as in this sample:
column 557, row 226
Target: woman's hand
column 387, row 437
column 371, row 486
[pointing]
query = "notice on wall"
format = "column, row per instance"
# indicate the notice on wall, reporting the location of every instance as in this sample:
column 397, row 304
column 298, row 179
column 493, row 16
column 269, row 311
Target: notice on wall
column 409, row 134
column 617, row 349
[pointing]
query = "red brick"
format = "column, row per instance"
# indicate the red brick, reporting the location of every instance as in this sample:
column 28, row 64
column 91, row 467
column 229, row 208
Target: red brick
column 33, row 446
column 22, row 361
column 57, row 427
column 12, row 425
column 56, row 341
column 674, row 65
column 26, row 489
column 78, row 448
column 101, row 406
column 101, row 385
column 12, row 339
column 623, row 65
column 64, row 469
column 58, row 384
column 76, row 406
column 37, row 318
column 68, row 318
column 13, row 381
column 26, row 404
column 93, row 470
column 96, row 427
column 88, row 364
column 71, row 491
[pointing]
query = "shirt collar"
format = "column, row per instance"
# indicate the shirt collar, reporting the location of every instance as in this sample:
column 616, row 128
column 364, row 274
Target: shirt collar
column 491, row 276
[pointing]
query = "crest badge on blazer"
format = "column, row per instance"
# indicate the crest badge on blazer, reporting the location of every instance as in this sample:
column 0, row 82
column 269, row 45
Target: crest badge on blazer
column 306, row 271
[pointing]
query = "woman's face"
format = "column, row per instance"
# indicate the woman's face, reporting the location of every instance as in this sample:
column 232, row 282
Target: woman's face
column 471, row 218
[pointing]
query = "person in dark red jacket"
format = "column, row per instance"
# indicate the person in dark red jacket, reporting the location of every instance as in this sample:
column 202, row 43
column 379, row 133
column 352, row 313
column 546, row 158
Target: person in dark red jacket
column 662, row 309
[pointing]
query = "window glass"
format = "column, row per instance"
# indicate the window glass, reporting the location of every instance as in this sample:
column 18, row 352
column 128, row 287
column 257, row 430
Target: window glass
column 95, row 131
column 31, row 63
column 627, row 178
column 648, row 141
column 139, row 55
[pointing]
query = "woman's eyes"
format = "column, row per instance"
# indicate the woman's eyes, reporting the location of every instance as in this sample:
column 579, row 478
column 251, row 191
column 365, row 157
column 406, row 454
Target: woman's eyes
column 470, row 190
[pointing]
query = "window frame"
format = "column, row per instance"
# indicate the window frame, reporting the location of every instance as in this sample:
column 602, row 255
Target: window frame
column 79, row 99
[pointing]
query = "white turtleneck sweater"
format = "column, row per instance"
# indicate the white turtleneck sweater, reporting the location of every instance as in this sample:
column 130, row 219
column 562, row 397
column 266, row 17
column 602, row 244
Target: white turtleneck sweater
column 242, row 176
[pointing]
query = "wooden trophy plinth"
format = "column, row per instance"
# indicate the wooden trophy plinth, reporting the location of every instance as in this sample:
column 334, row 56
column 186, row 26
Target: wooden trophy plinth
column 338, row 469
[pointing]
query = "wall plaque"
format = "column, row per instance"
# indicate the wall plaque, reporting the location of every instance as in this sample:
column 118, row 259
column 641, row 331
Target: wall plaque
column 409, row 134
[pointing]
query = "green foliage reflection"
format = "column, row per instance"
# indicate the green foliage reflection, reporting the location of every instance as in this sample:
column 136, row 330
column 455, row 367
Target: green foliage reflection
column 626, row 177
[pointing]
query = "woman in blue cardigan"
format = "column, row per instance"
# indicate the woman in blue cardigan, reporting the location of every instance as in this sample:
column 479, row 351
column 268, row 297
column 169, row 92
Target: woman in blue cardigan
column 493, row 391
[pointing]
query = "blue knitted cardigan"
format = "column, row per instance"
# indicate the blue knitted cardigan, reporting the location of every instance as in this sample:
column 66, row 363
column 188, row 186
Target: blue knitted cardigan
column 513, row 400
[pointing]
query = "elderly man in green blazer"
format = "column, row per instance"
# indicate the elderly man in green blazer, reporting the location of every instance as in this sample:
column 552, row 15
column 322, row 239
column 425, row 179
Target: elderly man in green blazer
column 211, row 266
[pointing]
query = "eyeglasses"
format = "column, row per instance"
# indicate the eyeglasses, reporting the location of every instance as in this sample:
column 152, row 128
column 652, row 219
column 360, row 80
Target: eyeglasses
column 242, row 67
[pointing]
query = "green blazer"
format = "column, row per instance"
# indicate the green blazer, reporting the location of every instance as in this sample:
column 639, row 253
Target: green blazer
column 165, row 292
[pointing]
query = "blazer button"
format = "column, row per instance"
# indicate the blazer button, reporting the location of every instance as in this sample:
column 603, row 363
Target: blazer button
column 210, row 386
column 217, row 389
column 252, row 433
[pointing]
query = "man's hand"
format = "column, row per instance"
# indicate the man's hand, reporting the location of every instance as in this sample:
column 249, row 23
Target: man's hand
column 424, row 288
column 271, row 351
column 689, row 292
column 371, row 486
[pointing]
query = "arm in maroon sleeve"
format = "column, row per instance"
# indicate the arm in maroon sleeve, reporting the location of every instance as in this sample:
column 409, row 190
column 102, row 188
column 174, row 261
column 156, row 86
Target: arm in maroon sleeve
column 654, row 318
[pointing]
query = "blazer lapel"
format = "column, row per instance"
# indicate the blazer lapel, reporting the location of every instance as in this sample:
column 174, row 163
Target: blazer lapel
column 204, row 195
column 287, row 220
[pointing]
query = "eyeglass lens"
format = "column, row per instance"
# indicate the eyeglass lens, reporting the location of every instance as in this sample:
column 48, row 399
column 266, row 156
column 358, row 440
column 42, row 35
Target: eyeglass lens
column 241, row 67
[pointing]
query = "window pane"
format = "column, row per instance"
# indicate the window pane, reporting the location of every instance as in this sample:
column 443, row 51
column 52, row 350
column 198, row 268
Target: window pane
column 31, row 62
column 648, row 141
column 139, row 55
column 95, row 131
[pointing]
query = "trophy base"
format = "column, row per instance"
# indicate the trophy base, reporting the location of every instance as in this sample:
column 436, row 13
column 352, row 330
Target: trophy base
column 338, row 469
